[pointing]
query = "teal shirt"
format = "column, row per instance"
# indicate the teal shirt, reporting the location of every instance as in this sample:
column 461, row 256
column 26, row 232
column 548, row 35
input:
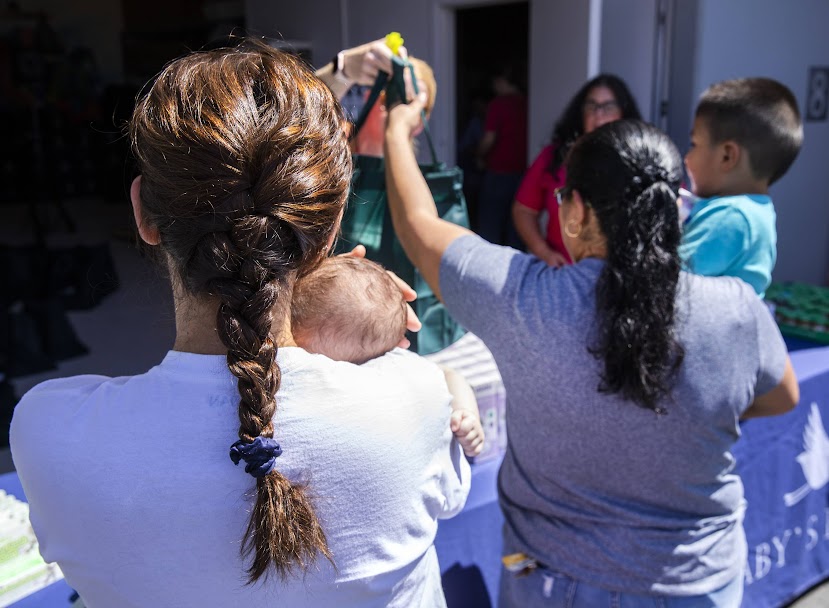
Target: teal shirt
column 733, row 236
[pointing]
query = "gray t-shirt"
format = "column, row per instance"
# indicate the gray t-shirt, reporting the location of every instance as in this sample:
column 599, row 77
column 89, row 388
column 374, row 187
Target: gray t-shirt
column 596, row 487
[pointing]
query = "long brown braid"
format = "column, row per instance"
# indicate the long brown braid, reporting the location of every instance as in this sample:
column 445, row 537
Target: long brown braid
column 245, row 170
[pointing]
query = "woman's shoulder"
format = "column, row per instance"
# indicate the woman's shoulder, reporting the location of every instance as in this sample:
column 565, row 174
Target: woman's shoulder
column 61, row 392
column 44, row 413
column 60, row 395
column 719, row 296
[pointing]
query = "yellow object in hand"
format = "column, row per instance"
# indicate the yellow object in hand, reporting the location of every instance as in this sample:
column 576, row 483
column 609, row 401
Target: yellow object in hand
column 394, row 41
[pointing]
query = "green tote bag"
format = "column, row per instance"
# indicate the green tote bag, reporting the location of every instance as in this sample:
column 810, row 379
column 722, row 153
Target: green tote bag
column 367, row 220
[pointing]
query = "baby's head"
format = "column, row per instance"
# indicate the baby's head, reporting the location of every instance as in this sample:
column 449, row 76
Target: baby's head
column 348, row 309
column 755, row 117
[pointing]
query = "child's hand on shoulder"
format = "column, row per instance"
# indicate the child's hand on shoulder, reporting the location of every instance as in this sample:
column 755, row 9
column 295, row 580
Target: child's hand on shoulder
column 467, row 428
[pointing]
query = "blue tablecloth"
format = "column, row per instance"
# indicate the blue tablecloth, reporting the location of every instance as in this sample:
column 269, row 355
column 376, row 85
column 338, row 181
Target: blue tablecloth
column 784, row 464
column 469, row 545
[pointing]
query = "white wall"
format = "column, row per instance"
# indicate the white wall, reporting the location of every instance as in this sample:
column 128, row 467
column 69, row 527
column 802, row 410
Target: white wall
column 627, row 46
column 562, row 57
column 779, row 40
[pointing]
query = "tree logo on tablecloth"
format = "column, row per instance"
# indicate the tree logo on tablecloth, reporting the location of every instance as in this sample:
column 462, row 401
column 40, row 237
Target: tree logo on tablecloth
column 814, row 459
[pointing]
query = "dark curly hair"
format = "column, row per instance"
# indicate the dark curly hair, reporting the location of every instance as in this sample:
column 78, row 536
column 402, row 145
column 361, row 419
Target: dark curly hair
column 570, row 125
column 628, row 174
column 245, row 171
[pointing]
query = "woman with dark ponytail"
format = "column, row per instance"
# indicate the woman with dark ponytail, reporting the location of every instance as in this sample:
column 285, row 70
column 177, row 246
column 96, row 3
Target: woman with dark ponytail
column 626, row 380
column 245, row 169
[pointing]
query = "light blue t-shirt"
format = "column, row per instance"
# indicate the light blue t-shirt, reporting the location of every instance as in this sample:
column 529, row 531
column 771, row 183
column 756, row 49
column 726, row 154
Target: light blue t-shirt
column 596, row 487
column 133, row 494
column 734, row 236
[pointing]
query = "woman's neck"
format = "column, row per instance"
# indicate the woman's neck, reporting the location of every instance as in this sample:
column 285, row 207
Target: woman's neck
column 196, row 325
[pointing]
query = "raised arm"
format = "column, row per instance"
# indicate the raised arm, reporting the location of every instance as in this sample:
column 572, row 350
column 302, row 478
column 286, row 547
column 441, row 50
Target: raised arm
column 422, row 233
column 359, row 65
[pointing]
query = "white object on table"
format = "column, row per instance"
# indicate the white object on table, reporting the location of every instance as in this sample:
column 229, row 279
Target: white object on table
column 22, row 570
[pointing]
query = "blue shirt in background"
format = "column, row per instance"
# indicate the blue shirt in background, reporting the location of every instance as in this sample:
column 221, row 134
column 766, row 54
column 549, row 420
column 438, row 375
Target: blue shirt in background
column 734, row 236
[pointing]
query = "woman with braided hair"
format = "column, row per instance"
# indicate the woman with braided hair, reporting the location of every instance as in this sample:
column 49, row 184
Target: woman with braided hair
column 245, row 169
column 626, row 380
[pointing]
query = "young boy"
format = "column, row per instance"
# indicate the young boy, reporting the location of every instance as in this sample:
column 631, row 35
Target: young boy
column 349, row 309
column 746, row 134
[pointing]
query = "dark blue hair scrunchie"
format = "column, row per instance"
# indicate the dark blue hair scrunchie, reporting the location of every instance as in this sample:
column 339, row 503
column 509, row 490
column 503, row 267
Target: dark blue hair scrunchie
column 260, row 455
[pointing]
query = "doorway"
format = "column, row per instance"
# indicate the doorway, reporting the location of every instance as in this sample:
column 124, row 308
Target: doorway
column 487, row 38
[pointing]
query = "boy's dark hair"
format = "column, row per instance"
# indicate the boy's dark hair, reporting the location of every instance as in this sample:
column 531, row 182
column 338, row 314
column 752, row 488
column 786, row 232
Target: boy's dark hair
column 761, row 115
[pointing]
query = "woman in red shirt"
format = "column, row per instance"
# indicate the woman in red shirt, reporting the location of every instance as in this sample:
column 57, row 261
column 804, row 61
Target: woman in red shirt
column 503, row 152
column 603, row 99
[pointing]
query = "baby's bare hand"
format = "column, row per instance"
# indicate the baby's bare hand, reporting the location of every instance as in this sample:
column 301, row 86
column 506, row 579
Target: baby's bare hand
column 467, row 428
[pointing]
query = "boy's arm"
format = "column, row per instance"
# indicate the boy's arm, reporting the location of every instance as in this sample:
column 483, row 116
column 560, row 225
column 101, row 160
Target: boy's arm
column 466, row 419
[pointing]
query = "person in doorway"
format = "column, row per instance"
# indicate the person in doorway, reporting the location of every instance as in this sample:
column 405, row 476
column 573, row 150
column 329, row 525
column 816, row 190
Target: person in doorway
column 467, row 154
column 503, row 153
column 603, row 99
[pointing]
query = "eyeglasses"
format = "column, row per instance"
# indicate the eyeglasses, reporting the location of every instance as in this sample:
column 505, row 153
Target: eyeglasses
column 560, row 193
column 606, row 108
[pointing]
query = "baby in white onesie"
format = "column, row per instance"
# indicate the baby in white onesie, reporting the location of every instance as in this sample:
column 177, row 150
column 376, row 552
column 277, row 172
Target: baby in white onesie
column 349, row 309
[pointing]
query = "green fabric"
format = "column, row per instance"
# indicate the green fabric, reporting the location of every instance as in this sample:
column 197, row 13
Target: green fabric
column 367, row 221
